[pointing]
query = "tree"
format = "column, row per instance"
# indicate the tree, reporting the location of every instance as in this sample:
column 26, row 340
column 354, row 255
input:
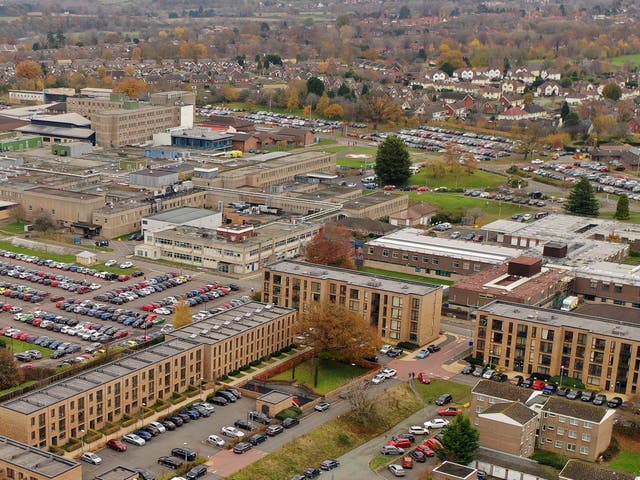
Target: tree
column 378, row 107
column 8, row 370
column 460, row 441
column 612, row 91
column 392, row 162
column 404, row 12
column 323, row 103
column 315, row 85
column 43, row 222
column 28, row 69
column 182, row 314
column 622, row 208
column 331, row 246
column 337, row 333
column 294, row 100
column 334, row 110
column 475, row 213
column 582, row 200
column 132, row 87
column 365, row 410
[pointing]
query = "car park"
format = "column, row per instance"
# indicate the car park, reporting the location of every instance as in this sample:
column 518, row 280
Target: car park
column 396, row 470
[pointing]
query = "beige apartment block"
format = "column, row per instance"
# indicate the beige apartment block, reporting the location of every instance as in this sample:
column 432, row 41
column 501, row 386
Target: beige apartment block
column 603, row 354
column 400, row 310
column 63, row 206
column 87, row 106
column 21, row 461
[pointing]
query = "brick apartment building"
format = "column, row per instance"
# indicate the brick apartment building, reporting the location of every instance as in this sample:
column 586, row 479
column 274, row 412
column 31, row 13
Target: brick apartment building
column 607, row 282
column 204, row 350
column 412, row 251
column 601, row 353
column 400, row 310
column 516, row 420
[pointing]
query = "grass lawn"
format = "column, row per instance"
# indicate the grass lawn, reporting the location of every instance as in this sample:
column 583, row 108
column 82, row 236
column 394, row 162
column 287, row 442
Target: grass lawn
column 17, row 346
column 331, row 374
column 458, row 204
column 331, row 440
column 15, row 227
column 634, row 213
column 406, row 276
column 22, row 385
column 477, row 179
column 461, row 393
column 39, row 253
column 623, row 60
column 626, row 461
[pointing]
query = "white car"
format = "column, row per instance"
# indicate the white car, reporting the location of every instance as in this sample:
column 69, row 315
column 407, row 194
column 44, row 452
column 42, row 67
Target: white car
column 162, row 311
column 488, row 374
column 91, row 457
column 379, row 378
column 133, row 439
column 418, row 430
column 126, row 265
column 110, row 263
column 215, row 440
column 388, row 372
column 208, row 407
column 161, row 428
column 232, row 432
column 436, row 423
column 95, row 286
column 385, row 349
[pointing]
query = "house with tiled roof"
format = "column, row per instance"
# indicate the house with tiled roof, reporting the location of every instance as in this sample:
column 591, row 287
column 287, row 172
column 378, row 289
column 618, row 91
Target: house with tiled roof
column 577, row 470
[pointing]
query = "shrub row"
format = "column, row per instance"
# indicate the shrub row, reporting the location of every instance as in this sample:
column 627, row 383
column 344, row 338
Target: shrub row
column 550, row 458
column 291, row 412
column 408, row 346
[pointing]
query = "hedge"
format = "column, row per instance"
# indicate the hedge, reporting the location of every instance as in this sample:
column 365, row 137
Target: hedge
column 92, row 436
column 291, row 412
column 245, row 368
column 408, row 346
column 550, row 458
column 110, row 428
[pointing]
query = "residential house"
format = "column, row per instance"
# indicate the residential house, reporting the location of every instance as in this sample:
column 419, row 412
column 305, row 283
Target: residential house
column 420, row 214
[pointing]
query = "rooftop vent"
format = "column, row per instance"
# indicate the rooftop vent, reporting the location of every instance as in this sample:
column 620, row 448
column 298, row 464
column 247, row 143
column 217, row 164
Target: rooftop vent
column 216, row 327
column 237, row 319
column 226, row 323
column 193, row 335
column 258, row 310
column 268, row 306
column 204, row 332
column 248, row 314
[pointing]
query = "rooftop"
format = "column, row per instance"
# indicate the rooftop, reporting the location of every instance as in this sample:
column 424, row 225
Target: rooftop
column 230, row 323
column 46, row 130
column 158, row 172
column 90, row 379
column 609, row 271
column 182, row 215
column 504, row 391
column 414, row 240
column 353, row 277
column 33, row 459
column 54, row 192
column 274, row 397
column 580, row 410
column 558, row 318
column 516, row 411
column 454, row 469
column 577, row 470
column 117, row 473
column 205, row 133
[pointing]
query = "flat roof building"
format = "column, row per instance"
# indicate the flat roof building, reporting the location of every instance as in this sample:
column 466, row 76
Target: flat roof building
column 400, row 310
column 187, row 216
column 607, row 282
column 19, row 460
column 411, row 250
column 600, row 352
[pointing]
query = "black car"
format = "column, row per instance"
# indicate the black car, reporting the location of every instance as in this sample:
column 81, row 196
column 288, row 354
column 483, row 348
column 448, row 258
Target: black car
column 171, row 462
column 168, row 424
column 418, row 456
column 574, row 394
column 234, row 391
column 311, row 472
column 228, row 395
column 144, row 474
column 177, row 420
column 260, row 417
column 434, row 348
column 600, row 399
column 290, row 422
column 444, row 399
column 499, row 377
column 218, row 400
column 615, row 402
column 588, row 396
column 329, row 464
column 273, row 430
column 182, row 452
column 242, row 447
column 245, row 425
column 395, row 352
column 257, row 439
column 196, row 472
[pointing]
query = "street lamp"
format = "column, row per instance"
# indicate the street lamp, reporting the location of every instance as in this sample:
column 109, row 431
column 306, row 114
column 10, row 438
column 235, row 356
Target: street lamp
column 201, row 380
column 561, row 373
column 82, row 441
column 142, row 413
column 185, row 451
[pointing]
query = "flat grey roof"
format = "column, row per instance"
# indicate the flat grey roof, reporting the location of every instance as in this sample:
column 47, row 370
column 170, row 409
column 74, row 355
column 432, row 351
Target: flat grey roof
column 599, row 326
column 274, row 396
column 353, row 277
column 414, row 240
column 182, row 215
column 159, row 172
column 201, row 133
column 229, row 323
column 33, row 459
column 613, row 272
column 45, row 130
column 117, row 473
column 52, row 394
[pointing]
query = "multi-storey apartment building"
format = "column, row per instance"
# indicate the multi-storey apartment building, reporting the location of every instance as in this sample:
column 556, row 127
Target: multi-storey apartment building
column 602, row 353
column 21, row 461
column 412, row 251
column 200, row 351
column 517, row 420
column 400, row 310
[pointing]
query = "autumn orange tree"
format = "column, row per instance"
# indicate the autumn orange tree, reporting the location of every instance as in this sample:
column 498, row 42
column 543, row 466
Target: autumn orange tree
column 132, row 87
column 338, row 333
column 331, row 246
column 28, row 69
column 182, row 314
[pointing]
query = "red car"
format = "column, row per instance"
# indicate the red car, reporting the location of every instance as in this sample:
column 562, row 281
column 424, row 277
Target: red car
column 56, row 298
column 538, row 385
column 407, row 462
column 6, row 307
column 449, row 412
column 424, row 378
column 433, row 443
column 121, row 334
column 400, row 442
column 426, row 450
column 117, row 445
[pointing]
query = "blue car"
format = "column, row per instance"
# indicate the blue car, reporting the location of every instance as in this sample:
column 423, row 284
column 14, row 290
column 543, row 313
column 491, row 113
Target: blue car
column 143, row 434
column 424, row 353
column 193, row 414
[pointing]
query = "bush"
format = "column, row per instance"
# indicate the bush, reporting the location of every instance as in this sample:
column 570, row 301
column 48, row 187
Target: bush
column 223, row 378
column 245, row 368
column 568, row 382
column 92, row 436
column 549, row 458
column 255, row 363
column 408, row 346
column 291, row 412
column 56, row 450
column 110, row 428
column 276, row 354
column 473, row 360
column 612, row 450
column 287, row 349
column 234, row 373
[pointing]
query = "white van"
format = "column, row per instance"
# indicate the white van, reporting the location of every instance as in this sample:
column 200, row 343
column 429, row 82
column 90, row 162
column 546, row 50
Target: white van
column 370, row 179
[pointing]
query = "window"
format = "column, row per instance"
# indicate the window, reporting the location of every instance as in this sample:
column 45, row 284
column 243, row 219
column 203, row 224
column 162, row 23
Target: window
column 395, row 254
column 560, row 431
column 584, row 450
column 588, row 425
column 573, row 434
column 586, row 437
column 573, row 421
column 571, row 447
column 559, row 444
column 385, row 253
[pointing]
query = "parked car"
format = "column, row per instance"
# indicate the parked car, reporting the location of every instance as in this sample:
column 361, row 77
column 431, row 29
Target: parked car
column 538, row 385
column 396, row 470
column 478, row 371
column 467, row 370
column 186, row 453
column 424, row 378
column 400, row 442
column 260, row 417
column 242, row 447
column 329, row 464
column 216, row 440
column 449, row 412
column 418, row 430
column 550, row 389
column 615, row 402
column 562, row 391
column 273, row 430
column 436, row 423
column 312, row 472
column 444, row 399
column 171, row 462
column 407, row 462
column 91, row 457
column 418, row 456
column 388, row 372
column 322, row 406
column 424, row 353
column 574, row 394
column 196, row 472
column 588, row 396
column 290, row 422
column 232, row 432
column 257, row 439
column 391, row 450
column 488, row 373
column 600, row 399
column 117, row 445
column 245, row 425
column 134, row 439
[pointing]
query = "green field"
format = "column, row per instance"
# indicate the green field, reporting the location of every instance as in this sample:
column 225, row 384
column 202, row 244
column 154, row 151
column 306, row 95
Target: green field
column 17, row 346
column 461, row 393
column 331, row 375
column 14, row 228
column 38, row 253
column 458, row 204
column 406, row 276
column 626, row 461
column 478, row 179
column 623, row 60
